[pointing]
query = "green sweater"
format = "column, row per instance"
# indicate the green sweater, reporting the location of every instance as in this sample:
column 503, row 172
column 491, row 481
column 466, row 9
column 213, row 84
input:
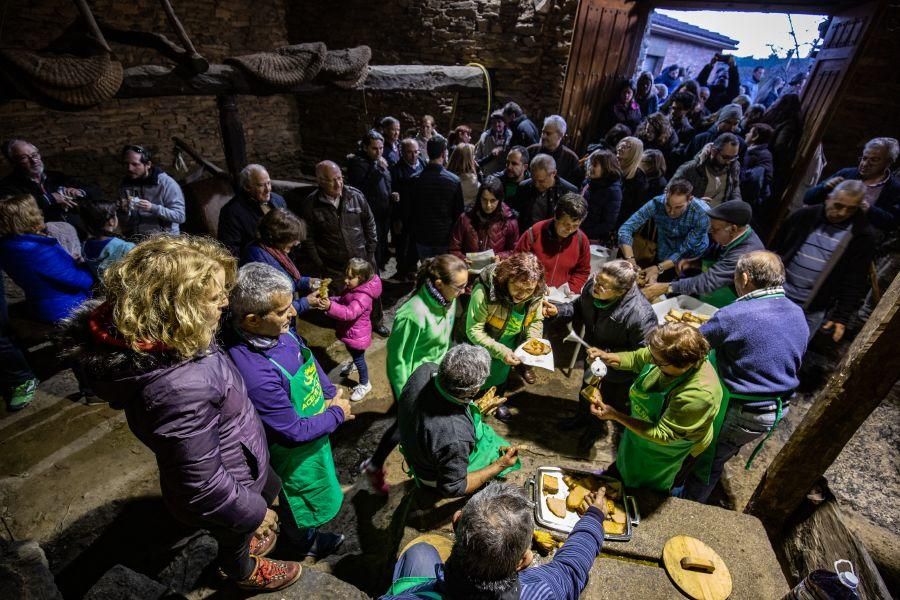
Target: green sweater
column 420, row 334
column 693, row 403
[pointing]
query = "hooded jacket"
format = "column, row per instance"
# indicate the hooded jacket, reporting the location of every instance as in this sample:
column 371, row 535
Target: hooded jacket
column 164, row 193
column 604, row 200
column 473, row 233
column 193, row 414
column 353, row 312
column 670, row 82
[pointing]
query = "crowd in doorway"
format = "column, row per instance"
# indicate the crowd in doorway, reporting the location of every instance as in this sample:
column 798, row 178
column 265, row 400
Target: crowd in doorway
column 198, row 339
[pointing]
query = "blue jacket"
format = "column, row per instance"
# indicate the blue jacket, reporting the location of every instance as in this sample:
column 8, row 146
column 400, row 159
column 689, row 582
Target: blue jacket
column 54, row 284
column 255, row 253
column 883, row 214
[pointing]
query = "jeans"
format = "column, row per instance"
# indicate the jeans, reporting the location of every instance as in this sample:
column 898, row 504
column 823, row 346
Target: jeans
column 814, row 320
column 740, row 427
column 421, row 560
column 359, row 359
column 429, row 251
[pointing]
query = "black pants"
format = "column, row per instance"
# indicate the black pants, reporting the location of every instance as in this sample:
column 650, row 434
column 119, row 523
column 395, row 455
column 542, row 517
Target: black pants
column 382, row 226
column 14, row 369
column 390, row 439
column 614, row 393
column 234, row 546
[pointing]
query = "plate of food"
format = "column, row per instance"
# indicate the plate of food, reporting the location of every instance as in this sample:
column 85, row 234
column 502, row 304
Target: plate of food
column 536, row 352
column 683, row 309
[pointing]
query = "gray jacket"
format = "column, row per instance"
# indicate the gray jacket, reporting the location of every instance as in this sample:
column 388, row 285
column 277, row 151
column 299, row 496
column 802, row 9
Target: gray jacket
column 695, row 172
column 167, row 212
column 720, row 273
column 619, row 328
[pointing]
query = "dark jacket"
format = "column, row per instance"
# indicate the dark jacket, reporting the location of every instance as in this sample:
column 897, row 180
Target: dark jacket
column 567, row 165
column 239, row 219
column 510, row 187
column 618, row 328
column 527, row 195
column 401, row 176
column 656, row 185
column 635, row 194
column 721, row 273
column 524, row 132
column 373, row 181
column 843, row 291
column 670, row 82
column 335, row 235
column 720, row 95
column 883, row 214
column 604, row 200
column 15, row 184
column 194, row 415
column 626, row 114
column 756, row 175
column 54, row 284
column 648, row 104
column 473, row 233
column 437, row 201
column 695, row 172
column 256, row 253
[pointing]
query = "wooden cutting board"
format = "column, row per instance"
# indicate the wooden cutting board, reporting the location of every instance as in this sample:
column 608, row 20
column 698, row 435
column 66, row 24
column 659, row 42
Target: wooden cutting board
column 696, row 581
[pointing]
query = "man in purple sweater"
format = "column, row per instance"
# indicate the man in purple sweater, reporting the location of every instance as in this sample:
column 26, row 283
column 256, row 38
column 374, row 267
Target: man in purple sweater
column 298, row 405
column 759, row 342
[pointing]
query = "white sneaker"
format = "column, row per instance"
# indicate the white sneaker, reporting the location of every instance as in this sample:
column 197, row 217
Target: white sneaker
column 360, row 391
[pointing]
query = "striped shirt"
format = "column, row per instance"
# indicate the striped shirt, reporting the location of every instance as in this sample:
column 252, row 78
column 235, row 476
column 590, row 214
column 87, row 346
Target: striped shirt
column 805, row 268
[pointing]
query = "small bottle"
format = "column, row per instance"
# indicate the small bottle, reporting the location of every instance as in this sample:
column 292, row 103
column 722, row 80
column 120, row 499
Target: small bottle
column 822, row 584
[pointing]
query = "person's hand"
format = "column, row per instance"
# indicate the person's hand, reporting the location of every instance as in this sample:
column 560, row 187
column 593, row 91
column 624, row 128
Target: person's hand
column 343, row 404
column 549, row 309
column 654, row 290
column 495, row 258
column 511, row 359
column 269, row 523
column 382, row 162
column 604, row 412
column 314, row 283
column 75, row 192
column 497, row 150
column 509, row 458
column 838, row 333
column 833, row 182
column 395, row 197
column 686, row 263
column 598, row 500
column 609, row 358
column 60, row 198
column 324, row 303
column 144, row 205
column 315, row 301
column 651, row 274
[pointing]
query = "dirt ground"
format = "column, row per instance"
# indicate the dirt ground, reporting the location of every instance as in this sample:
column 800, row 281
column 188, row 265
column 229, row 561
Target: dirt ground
column 74, row 478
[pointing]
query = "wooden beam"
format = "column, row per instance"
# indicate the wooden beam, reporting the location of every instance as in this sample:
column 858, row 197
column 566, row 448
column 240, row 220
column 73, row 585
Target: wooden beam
column 151, row 81
column 860, row 383
column 192, row 63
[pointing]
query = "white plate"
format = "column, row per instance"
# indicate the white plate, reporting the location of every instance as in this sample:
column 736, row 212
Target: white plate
column 544, row 361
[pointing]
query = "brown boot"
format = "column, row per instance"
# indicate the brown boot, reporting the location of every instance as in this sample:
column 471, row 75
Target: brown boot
column 271, row 575
column 264, row 545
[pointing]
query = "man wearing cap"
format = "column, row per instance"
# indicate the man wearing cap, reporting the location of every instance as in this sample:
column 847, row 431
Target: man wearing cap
column 729, row 228
column 759, row 341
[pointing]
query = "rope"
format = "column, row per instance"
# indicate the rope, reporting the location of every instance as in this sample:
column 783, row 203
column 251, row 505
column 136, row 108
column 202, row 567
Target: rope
column 487, row 83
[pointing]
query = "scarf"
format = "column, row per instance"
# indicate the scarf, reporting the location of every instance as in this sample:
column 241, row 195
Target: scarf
column 104, row 331
column 284, row 260
column 436, row 294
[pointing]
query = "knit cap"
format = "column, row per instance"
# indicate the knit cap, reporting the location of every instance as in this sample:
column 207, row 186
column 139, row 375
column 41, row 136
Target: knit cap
column 730, row 112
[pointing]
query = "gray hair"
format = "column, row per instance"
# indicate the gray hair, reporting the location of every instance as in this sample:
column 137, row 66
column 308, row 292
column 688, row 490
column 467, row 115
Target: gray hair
column 8, row 146
column 852, row 188
column 464, row 369
column 256, row 284
column 888, row 144
column 542, row 162
column 249, row 170
column 621, row 271
column 763, row 268
column 492, row 534
column 558, row 122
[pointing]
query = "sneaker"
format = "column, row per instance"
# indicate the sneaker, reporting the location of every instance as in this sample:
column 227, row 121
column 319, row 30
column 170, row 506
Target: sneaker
column 264, row 545
column 324, row 545
column 22, row 395
column 376, row 477
column 347, row 369
column 271, row 575
column 382, row 331
column 360, row 391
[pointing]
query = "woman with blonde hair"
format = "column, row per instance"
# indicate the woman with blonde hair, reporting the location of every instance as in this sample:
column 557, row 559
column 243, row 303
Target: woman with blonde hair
column 150, row 348
column 462, row 164
column 634, row 182
column 675, row 402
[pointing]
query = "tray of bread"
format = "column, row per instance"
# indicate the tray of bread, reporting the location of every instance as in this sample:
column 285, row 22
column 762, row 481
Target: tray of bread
column 683, row 309
column 560, row 500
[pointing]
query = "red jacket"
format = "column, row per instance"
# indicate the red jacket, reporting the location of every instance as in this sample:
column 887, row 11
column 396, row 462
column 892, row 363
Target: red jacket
column 567, row 260
column 472, row 234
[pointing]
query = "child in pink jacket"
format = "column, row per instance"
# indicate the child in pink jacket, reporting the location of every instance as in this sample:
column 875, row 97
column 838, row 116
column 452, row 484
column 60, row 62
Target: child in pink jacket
column 353, row 312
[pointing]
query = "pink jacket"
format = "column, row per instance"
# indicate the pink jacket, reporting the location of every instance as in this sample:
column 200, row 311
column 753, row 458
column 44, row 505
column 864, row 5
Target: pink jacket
column 353, row 312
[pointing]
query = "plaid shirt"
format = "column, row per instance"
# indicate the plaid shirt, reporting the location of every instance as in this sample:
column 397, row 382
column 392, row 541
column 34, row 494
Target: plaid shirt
column 683, row 237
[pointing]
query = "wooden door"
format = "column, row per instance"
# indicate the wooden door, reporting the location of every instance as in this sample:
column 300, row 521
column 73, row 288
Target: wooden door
column 605, row 47
column 847, row 33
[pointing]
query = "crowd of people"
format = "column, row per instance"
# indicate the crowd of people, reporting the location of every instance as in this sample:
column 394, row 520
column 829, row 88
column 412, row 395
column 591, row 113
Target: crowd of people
column 198, row 341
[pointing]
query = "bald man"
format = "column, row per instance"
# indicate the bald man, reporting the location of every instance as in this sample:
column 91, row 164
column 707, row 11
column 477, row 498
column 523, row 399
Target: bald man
column 241, row 215
column 340, row 226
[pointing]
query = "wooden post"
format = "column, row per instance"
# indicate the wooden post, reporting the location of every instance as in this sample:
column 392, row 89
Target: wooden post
column 861, row 382
column 232, row 136
column 197, row 63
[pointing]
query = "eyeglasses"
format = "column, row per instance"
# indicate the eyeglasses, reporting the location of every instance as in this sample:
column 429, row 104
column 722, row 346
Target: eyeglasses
column 658, row 362
column 27, row 157
column 458, row 288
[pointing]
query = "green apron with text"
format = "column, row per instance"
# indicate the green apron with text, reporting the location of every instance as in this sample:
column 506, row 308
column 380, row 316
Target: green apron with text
column 499, row 369
column 725, row 295
column 307, row 472
column 644, row 463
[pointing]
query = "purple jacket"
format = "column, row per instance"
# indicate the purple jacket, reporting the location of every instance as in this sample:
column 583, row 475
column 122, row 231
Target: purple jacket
column 197, row 419
column 353, row 312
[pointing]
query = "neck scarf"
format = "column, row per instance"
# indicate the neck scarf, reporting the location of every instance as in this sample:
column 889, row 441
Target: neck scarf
column 284, row 260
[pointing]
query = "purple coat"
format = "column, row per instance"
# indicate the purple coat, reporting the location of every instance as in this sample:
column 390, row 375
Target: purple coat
column 197, row 419
column 353, row 312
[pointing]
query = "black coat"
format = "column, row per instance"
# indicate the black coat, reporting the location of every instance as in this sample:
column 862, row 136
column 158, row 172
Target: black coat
column 335, row 235
column 436, row 203
column 846, row 286
column 567, row 165
column 527, row 195
column 239, row 219
column 524, row 132
column 373, row 181
column 15, row 184
column 884, row 214
column 720, row 95
column 604, row 200
column 635, row 194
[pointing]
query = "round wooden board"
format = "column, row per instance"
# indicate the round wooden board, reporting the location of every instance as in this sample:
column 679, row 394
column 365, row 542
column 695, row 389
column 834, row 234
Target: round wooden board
column 700, row 586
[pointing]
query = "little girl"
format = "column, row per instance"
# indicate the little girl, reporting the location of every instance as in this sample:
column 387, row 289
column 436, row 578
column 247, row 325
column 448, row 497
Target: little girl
column 102, row 247
column 353, row 311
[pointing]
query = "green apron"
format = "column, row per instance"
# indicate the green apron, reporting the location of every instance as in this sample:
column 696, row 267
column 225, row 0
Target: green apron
column 487, row 442
column 499, row 369
column 703, row 465
column 307, row 472
column 725, row 295
column 647, row 464
column 405, row 583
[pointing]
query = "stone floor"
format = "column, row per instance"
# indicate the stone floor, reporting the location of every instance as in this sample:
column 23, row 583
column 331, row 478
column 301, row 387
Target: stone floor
column 73, row 478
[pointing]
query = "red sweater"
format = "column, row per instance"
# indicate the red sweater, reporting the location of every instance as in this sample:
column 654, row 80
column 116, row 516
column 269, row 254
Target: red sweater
column 567, row 260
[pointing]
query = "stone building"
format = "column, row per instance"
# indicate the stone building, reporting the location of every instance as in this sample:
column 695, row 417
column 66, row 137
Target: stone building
column 674, row 42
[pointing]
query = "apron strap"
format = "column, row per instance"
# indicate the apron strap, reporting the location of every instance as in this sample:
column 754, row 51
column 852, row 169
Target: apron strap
column 762, row 442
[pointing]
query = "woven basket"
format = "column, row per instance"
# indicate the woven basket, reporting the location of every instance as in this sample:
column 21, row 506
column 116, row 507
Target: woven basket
column 285, row 67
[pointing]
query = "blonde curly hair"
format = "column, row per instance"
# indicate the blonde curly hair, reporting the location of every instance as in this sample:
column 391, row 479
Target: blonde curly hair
column 160, row 292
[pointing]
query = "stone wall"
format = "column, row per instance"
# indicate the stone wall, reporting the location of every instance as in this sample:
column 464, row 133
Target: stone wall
column 685, row 54
column 525, row 52
column 88, row 142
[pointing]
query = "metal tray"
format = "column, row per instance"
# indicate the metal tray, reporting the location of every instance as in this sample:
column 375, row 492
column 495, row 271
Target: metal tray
column 547, row 520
